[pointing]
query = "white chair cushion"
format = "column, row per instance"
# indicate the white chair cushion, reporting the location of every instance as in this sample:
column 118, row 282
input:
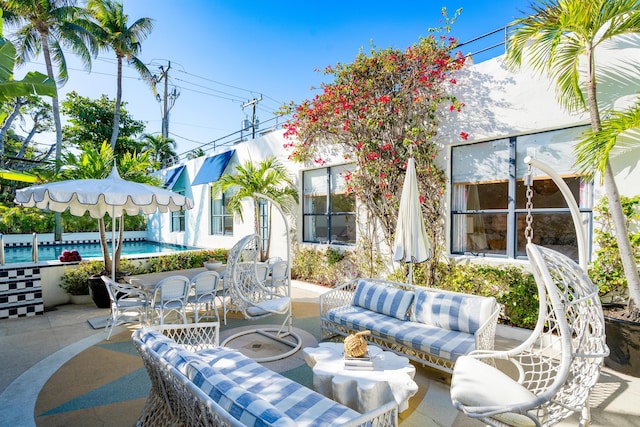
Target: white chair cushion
column 474, row 383
column 276, row 305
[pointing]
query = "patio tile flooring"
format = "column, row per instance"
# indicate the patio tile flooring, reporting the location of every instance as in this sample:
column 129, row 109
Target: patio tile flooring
column 48, row 377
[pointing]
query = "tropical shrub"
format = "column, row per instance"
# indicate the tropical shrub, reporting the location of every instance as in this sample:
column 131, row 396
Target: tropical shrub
column 19, row 220
column 606, row 268
column 75, row 280
column 185, row 260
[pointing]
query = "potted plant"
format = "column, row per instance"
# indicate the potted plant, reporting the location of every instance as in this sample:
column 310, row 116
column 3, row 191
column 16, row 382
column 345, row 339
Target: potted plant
column 75, row 281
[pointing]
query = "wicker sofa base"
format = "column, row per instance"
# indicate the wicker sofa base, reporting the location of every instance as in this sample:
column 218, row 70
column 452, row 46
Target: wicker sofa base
column 180, row 368
column 334, row 332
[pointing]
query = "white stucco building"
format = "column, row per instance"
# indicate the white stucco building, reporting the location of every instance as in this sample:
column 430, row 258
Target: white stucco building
column 508, row 115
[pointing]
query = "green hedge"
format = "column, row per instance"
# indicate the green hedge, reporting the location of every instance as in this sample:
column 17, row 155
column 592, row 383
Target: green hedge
column 18, row 220
column 512, row 286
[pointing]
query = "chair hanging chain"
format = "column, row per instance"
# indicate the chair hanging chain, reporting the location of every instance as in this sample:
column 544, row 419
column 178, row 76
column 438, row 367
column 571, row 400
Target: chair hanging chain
column 528, row 182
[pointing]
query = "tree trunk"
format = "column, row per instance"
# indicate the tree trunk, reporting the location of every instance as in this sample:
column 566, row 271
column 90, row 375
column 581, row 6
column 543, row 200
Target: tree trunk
column 105, row 246
column 55, row 107
column 627, row 254
column 116, row 112
column 118, row 253
column 621, row 232
column 5, row 127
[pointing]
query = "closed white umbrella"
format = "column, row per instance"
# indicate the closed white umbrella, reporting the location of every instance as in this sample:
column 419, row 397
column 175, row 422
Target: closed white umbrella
column 113, row 196
column 411, row 244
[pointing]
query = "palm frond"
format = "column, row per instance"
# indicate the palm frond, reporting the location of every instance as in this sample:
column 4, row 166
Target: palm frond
column 619, row 133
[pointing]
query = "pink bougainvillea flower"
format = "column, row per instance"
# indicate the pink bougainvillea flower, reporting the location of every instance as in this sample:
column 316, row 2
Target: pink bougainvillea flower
column 464, row 135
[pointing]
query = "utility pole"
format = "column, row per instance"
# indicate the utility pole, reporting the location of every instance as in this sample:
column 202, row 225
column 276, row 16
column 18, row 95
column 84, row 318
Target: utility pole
column 168, row 98
column 254, row 123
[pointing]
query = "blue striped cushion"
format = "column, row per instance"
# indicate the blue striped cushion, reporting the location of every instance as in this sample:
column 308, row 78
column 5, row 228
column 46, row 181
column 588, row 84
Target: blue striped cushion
column 453, row 311
column 383, row 299
column 429, row 339
column 240, row 403
column 157, row 341
column 304, row 406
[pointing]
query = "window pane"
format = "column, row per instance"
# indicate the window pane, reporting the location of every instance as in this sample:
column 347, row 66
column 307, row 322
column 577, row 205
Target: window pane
column 554, row 149
column 216, row 207
column 315, row 182
column 315, row 228
column 343, row 203
column 343, row 228
column 486, row 161
column 472, row 197
column 315, row 204
column 546, row 193
column 480, row 233
column 552, row 230
column 228, row 225
column 216, row 225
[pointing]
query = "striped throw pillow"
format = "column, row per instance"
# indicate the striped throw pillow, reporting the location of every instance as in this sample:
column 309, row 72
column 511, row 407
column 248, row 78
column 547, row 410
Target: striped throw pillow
column 383, row 299
column 452, row 311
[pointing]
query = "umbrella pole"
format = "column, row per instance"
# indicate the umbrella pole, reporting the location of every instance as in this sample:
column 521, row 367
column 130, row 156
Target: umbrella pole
column 113, row 244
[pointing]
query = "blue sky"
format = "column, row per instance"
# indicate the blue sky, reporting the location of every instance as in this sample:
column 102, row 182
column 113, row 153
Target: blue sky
column 224, row 53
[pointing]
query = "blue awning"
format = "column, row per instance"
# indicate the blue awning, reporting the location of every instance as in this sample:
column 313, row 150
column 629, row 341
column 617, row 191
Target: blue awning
column 213, row 168
column 171, row 176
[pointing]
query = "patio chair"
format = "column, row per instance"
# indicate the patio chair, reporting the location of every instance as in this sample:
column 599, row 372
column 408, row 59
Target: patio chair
column 170, row 295
column 206, row 289
column 279, row 277
column 552, row 372
column 124, row 300
column 250, row 296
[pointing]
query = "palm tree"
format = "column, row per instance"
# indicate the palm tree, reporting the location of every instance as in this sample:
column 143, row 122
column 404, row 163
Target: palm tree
column 113, row 33
column 96, row 164
column 195, row 153
column 269, row 177
column 160, row 149
column 45, row 26
column 558, row 37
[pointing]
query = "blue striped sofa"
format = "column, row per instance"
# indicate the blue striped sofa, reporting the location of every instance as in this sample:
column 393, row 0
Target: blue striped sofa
column 201, row 385
column 431, row 326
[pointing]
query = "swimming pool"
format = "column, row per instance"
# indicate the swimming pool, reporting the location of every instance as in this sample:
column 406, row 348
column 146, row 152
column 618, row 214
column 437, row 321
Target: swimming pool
column 16, row 254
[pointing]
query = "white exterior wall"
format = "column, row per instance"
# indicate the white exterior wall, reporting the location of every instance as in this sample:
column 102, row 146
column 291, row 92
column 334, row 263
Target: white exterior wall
column 197, row 228
column 498, row 103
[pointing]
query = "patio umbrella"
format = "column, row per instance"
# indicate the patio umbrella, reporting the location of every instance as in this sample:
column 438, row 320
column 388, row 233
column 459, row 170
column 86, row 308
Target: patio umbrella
column 113, row 196
column 411, row 243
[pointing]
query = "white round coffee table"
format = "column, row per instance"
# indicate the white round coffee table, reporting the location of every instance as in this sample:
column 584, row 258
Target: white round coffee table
column 362, row 390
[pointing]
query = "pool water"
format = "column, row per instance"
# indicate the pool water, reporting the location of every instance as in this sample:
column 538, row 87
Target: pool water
column 87, row 250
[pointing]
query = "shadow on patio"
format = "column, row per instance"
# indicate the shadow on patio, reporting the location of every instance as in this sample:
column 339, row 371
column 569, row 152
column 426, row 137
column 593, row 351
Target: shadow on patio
column 59, row 371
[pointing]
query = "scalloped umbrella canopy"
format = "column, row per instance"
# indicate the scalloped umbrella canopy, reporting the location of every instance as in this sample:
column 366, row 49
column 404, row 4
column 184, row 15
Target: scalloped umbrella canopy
column 411, row 244
column 111, row 196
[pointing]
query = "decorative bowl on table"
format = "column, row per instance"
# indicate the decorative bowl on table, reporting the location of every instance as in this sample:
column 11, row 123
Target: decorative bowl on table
column 214, row 265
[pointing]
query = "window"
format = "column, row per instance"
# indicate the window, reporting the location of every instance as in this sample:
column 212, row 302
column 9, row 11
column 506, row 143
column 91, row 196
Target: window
column 489, row 195
column 177, row 217
column 328, row 212
column 221, row 217
column 263, row 207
